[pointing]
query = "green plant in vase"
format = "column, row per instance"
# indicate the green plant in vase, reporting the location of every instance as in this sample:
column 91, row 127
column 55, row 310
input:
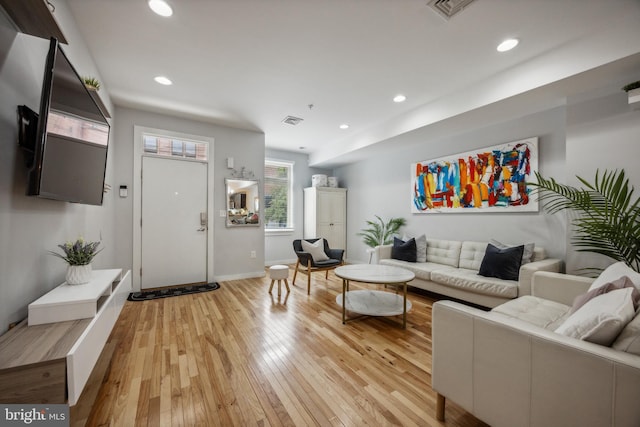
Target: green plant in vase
column 91, row 83
column 78, row 255
column 380, row 232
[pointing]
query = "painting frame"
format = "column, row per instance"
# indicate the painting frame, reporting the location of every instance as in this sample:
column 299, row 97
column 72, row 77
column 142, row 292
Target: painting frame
column 490, row 179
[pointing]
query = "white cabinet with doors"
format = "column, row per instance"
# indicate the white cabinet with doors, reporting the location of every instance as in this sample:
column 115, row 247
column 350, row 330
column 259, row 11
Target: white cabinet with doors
column 325, row 215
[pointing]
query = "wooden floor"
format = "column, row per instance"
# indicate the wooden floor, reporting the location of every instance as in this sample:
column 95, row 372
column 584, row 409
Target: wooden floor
column 238, row 356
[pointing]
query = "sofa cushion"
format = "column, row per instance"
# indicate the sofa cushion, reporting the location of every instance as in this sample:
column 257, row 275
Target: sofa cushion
column 502, row 263
column 537, row 311
column 538, row 254
column 445, row 252
column 422, row 270
column 622, row 282
column 471, row 281
column 404, row 251
column 600, row 320
column 421, row 247
column 614, row 272
column 316, row 250
column 472, row 254
column 527, row 254
column 629, row 338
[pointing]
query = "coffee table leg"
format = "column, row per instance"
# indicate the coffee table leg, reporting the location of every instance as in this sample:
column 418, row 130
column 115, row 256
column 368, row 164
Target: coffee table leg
column 345, row 286
column 404, row 309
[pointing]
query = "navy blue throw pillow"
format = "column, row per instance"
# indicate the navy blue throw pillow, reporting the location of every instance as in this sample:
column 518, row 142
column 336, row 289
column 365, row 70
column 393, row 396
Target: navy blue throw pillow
column 502, row 263
column 404, row 251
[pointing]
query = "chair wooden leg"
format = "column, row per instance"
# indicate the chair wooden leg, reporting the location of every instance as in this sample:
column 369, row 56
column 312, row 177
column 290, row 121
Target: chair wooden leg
column 287, row 285
column 326, row 275
column 309, row 278
column 271, row 287
column 440, row 407
column 295, row 273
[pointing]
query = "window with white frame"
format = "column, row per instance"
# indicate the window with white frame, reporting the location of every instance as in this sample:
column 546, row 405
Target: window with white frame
column 278, row 210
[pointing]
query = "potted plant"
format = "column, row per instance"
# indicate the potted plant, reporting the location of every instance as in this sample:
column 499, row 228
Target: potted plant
column 633, row 93
column 607, row 220
column 78, row 255
column 380, row 232
column 91, row 83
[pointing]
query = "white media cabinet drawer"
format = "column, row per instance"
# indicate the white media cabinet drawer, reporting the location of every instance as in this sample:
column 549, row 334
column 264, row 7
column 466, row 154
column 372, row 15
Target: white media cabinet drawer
column 83, row 355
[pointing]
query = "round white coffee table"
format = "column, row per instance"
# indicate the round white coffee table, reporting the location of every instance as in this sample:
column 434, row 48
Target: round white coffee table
column 372, row 302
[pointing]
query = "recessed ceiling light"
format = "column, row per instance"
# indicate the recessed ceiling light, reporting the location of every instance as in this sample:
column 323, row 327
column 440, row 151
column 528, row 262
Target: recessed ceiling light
column 160, row 7
column 163, row 80
column 344, row 126
column 399, row 98
column 508, row 44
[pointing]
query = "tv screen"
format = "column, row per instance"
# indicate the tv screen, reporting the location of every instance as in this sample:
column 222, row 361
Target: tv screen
column 71, row 141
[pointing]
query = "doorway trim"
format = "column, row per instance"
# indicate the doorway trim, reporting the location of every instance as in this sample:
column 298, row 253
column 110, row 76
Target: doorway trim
column 138, row 151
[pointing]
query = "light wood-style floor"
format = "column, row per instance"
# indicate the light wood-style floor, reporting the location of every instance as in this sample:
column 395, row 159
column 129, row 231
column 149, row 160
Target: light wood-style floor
column 238, row 356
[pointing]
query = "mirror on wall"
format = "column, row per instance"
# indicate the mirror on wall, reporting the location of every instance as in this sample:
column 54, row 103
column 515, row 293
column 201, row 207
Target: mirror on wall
column 243, row 202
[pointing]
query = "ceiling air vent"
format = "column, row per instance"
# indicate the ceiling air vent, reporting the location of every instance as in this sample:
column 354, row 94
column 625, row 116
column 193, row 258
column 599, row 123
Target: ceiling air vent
column 448, row 8
column 290, row 120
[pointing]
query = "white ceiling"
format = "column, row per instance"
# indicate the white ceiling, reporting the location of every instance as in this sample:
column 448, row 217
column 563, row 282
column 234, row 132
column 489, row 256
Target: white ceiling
column 250, row 63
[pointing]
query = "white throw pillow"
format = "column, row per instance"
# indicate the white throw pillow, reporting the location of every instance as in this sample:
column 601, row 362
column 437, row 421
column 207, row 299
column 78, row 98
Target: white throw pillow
column 315, row 249
column 421, row 247
column 614, row 272
column 601, row 319
column 629, row 338
column 527, row 254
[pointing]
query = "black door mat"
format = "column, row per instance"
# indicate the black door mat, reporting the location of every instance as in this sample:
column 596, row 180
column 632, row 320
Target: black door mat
column 172, row 292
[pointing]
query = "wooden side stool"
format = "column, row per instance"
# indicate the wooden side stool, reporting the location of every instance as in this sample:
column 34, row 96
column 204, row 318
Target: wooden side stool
column 279, row 273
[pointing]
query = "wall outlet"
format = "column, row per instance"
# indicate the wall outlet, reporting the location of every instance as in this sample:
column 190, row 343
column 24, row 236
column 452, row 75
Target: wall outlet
column 223, row 213
column 253, row 254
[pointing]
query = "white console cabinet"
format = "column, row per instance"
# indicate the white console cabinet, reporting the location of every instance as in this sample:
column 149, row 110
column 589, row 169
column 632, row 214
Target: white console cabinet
column 49, row 358
column 71, row 302
column 325, row 215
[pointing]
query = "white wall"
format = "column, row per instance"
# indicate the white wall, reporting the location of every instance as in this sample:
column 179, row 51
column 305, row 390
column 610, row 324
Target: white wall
column 29, row 226
column 380, row 186
column 602, row 133
column 278, row 245
column 231, row 246
column 590, row 132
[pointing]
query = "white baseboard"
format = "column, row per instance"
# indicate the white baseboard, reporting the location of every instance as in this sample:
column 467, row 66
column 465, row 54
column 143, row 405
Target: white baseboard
column 280, row 261
column 241, row 276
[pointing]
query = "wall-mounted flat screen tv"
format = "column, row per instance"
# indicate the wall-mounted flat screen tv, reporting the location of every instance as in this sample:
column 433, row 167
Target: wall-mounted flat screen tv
column 69, row 147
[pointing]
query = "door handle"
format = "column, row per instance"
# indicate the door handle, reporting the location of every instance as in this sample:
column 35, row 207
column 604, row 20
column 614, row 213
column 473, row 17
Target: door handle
column 202, row 229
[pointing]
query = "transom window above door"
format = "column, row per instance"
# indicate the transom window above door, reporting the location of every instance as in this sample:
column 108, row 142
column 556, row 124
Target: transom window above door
column 172, row 147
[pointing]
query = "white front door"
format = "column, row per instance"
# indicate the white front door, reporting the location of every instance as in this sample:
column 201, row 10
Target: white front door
column 174, row 231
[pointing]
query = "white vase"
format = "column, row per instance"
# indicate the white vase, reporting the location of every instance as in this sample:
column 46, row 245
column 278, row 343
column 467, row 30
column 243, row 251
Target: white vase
column 78, row 274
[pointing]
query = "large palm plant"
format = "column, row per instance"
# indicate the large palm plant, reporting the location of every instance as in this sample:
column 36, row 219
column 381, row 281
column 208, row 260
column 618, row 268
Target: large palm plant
column 607, row 220
column 380, row 232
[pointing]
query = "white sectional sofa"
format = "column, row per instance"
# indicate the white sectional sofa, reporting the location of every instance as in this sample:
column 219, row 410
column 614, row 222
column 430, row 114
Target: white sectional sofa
column 509, row 368
column 452, row 266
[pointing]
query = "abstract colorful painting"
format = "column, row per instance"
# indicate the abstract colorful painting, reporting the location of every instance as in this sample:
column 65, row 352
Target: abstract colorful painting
column 492, row 179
